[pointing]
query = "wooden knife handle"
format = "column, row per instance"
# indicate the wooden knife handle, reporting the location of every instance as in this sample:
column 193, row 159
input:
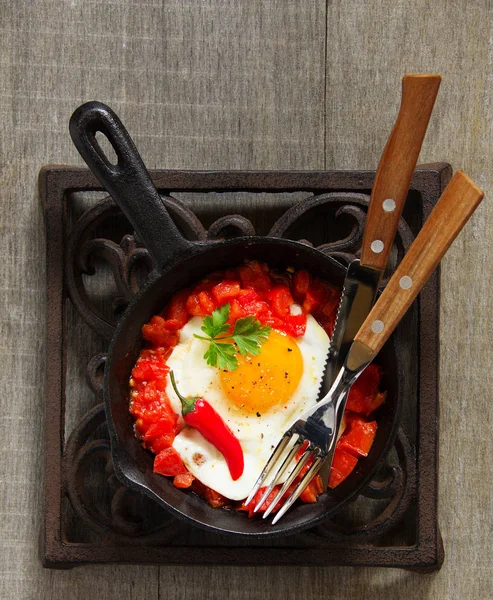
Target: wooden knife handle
column 396, row 168
column 451, row 213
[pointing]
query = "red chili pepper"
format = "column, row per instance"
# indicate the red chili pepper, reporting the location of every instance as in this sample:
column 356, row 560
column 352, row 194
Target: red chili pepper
column 200, row 415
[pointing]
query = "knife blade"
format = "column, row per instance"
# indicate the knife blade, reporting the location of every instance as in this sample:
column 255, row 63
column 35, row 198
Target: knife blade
column 387, row 200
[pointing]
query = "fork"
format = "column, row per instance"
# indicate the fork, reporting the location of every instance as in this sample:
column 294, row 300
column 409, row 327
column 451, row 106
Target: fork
column 314, row 434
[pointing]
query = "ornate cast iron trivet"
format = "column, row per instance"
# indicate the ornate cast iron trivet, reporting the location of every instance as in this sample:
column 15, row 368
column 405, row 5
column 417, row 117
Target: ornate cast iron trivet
column 94, row 266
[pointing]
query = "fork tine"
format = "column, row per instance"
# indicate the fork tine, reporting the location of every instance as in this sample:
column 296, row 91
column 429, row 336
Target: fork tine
column 279, row 473
column 305, row 480
column 292, row 476
column 285, row 440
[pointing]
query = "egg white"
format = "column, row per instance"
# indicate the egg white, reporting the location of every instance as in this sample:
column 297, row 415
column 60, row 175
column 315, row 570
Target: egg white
column 257, row 435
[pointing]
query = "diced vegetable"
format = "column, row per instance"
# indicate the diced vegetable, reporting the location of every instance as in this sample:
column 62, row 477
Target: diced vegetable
column 159, row 428
column 150, row 369
column 215, row 499
column 363, row 396
column 301, row 283
column 358, row 436
column 280, row 300
column 313, row 490
column 177, row 308
column 236, row 312
column 183, row 480
column 161, row 443
column 253, row 275
column 342, row 465
column 169, row 463
column 295, row 325
column 266, row 503
column 157, row 332
column 193, row 306
column 206, row 302
column 226, row 291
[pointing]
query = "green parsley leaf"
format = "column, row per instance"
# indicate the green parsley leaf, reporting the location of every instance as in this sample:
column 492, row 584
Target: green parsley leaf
column 247, row 336
column 222, row 356
column 216, row 323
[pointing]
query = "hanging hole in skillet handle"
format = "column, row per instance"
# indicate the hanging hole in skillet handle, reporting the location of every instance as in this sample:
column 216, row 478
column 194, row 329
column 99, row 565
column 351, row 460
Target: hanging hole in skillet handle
column 106, row 150
column 128, row 182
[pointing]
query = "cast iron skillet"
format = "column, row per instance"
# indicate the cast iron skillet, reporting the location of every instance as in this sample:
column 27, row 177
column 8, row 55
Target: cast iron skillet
column 179, row 263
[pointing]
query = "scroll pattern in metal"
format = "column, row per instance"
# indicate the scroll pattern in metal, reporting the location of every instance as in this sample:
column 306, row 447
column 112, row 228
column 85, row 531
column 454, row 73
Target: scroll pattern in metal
column 130, row 264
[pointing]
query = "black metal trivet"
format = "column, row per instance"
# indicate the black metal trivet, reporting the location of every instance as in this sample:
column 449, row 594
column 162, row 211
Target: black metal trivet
column 95, row 265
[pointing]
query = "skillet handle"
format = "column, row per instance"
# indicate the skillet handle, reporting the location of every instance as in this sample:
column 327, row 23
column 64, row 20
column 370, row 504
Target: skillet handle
column 128, row 182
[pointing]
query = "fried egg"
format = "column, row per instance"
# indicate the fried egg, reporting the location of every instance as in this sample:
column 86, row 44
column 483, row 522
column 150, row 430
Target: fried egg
column 258, row 401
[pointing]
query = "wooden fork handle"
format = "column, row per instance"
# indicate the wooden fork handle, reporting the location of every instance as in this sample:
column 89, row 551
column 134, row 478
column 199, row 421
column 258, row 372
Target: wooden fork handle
column 396, row 168
column 451, row 213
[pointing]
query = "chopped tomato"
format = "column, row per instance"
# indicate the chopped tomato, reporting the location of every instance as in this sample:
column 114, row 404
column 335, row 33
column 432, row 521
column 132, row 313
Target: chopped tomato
column 247, row 296
column 301, row 282
column 225, row 291
column 157, row 333
column 172, row 325
column 206, row 302
column 295, row 325
column 266, row 318
column 193, row 306
column 363, row 396
column 147, row 415
column 330, row 306
column 161, row 443
column 236, row 312
column 250, row 507
column 151, row 405
column 312, row 491
column 310, row 303
column 342, row 464
column 252, row 305
column 280, row 300
column 148, row 369
column 137, row 410
column 169, row 463
column 253, row 275
column 177, row 308
column 301, row 449
column 161, row 427
column 183, row 480
column 163, row 352
column 358, row 436
column 215, row 499
column 150, row 394
column 316, row 295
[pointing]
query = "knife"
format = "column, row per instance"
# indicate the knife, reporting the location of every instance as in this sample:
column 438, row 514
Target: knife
column 387, row 200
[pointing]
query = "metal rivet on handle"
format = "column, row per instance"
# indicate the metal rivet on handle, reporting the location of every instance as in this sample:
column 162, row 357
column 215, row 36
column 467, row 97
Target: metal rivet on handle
column 388, row 205
column 377, row 326
column 405, row 282
column 377, row 246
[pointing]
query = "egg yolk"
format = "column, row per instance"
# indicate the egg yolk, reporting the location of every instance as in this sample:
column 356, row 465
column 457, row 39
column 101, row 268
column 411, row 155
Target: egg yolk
column 267, row 380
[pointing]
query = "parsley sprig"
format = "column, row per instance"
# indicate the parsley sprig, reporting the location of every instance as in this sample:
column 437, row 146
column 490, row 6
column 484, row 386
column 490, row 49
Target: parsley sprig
column 248, row 334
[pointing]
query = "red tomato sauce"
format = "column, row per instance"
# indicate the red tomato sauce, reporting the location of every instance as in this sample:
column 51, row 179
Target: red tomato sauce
column 251, row 289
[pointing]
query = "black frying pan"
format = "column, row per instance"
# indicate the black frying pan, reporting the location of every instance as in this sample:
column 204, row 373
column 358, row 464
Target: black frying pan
column 180, row 263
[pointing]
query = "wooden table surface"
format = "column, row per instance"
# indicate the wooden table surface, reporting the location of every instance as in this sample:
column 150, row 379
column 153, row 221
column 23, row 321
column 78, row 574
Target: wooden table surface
column 255, row 84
